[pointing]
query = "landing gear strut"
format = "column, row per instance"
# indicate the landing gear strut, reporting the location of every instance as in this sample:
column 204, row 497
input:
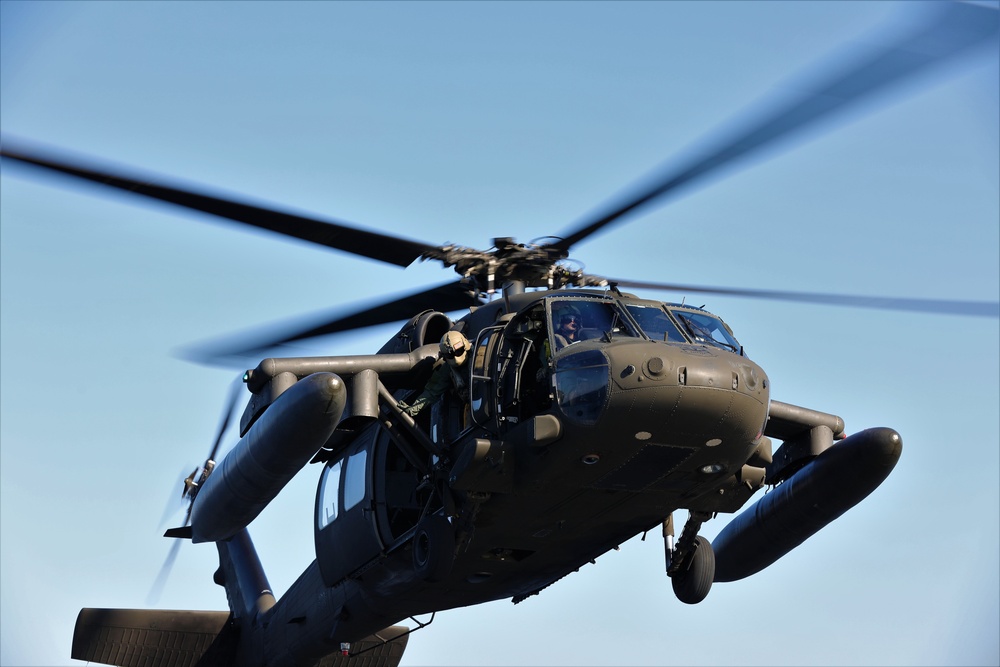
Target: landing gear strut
column 691, row 564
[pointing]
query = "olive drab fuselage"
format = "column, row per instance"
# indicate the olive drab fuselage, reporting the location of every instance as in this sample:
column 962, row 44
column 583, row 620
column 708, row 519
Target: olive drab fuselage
column 557, row 453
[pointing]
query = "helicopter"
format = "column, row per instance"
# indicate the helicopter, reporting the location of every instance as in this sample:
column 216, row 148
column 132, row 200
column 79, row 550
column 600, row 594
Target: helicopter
column 516, row 304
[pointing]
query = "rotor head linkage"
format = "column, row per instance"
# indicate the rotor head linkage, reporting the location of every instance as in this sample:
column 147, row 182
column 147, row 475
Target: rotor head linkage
column 531, row 264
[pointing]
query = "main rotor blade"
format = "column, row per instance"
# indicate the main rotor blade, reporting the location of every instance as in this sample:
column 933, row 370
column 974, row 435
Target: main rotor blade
column 947, row 33
column 445, row 298
column 382, row 247
column 937, row 306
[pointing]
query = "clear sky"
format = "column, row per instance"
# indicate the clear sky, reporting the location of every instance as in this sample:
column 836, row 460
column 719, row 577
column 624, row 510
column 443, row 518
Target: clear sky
column 461, row 122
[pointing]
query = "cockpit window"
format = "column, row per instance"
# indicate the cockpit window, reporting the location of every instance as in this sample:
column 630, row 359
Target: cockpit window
column 704, row 328
column 655, row 323
column 578, row 319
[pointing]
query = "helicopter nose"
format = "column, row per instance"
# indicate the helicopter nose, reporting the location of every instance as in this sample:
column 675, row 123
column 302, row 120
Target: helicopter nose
column 639, row 414
column 687, row 395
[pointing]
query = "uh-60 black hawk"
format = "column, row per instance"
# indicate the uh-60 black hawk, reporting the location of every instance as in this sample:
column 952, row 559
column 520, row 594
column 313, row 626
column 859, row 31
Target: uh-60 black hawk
column 573, row 417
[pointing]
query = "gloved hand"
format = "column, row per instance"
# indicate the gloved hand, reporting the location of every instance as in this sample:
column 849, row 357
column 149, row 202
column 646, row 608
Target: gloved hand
column 412, row 410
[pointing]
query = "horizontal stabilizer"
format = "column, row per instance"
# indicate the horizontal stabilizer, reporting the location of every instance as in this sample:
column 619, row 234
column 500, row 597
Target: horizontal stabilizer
column 154, row 637
column 168, row 638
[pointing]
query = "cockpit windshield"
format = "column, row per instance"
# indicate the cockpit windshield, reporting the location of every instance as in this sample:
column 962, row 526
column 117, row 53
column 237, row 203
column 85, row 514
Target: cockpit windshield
column 707, row 329
column 655, row 322
column 582, row 319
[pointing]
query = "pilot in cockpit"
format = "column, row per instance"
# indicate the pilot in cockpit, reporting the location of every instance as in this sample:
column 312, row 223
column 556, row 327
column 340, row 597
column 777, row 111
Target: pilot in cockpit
column 568, row 322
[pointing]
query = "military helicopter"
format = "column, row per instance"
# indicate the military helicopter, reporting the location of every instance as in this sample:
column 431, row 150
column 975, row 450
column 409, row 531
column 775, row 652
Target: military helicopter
column 567, row 426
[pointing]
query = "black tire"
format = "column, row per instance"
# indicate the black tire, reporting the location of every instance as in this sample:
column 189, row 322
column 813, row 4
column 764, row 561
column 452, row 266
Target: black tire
column 433, row 548
column 693, row 582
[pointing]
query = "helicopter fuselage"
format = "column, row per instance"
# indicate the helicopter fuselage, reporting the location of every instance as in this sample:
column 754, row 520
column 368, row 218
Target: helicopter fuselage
column 554, row 452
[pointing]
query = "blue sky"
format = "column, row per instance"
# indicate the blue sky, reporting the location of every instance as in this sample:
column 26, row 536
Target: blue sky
column 461, row 122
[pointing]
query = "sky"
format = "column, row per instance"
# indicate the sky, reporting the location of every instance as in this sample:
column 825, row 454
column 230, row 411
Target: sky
column 461, row 122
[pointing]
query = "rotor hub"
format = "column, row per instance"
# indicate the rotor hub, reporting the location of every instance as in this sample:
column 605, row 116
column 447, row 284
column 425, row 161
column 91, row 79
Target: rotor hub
column 532, row 264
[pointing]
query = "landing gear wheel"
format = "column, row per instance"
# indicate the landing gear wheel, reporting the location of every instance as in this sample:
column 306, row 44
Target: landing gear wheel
column 694, row 580
column 433, row 548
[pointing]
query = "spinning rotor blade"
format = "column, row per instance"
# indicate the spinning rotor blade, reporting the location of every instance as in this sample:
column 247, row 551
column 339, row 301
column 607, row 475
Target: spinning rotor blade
column 384, row 248
column 168, row 564
column 175, row 502
column 161, row 578
column 938, row 306
column 446, row 298
column 945, row 34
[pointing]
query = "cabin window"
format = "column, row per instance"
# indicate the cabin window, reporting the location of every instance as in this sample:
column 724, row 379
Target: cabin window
column 354, row 479
column 328, row 495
